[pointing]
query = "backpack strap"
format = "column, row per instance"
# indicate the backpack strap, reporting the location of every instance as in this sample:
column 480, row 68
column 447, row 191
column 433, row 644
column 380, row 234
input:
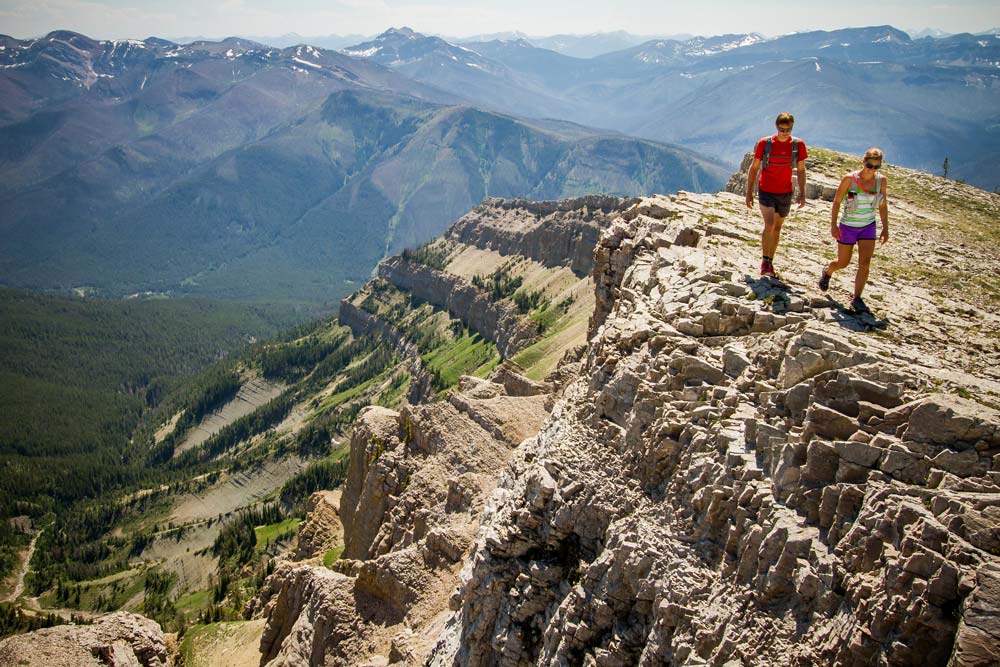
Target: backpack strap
column 767, row 153
column 795, row 153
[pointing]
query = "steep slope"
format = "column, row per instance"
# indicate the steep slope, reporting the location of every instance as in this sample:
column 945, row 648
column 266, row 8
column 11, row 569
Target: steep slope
column 507, row 266
column 232, row 452
column 719, row 468
column 747, row 480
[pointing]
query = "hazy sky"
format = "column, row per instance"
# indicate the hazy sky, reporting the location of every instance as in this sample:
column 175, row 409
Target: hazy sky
column 219, row 18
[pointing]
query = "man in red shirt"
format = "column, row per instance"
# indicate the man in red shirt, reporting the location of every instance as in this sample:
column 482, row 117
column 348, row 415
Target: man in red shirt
column 776, row 184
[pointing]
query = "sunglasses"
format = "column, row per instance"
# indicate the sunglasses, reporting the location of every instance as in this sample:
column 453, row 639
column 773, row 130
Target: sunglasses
column 869, row 165
column 784, row 129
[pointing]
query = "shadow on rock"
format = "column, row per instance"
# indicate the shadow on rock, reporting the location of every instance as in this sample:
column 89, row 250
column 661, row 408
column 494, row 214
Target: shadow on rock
column 772, row 291
column 855, row 321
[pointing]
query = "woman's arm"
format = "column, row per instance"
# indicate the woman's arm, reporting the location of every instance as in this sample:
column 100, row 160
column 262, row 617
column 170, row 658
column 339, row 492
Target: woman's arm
column 845, row 183
column 883, row 212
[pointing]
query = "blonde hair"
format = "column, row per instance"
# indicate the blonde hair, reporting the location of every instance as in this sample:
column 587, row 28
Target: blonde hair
column 874, row 153
column 784, row 118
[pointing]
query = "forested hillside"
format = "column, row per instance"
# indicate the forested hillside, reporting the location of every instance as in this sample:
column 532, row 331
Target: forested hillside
column 77, row 375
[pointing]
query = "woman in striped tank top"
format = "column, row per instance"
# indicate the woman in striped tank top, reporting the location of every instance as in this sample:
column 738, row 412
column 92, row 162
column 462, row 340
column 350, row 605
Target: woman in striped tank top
column 862, row 194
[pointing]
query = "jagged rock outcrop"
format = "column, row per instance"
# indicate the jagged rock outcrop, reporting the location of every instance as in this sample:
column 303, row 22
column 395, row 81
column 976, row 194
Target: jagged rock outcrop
column 322, row 529
column 735, row 481
column 498, row 321
column 417, row 481
column 554, row 233
column 118, row 640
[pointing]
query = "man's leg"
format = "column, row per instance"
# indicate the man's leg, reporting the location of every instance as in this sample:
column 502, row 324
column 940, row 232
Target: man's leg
column 866, row 248
column 772, row 231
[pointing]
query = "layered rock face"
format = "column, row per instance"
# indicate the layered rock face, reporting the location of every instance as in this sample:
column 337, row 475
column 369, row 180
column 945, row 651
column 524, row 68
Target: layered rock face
column 555, row 233
column 118, row 640
column 735, row 471
column 738, row 477
column 498, row 321
column 417, row 482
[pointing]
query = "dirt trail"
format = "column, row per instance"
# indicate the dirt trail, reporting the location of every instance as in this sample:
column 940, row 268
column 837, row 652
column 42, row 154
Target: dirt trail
column 25, row 566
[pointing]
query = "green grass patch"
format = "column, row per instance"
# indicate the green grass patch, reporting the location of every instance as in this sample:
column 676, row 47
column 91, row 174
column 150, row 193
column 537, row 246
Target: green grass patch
column 332, row 556
column 194, row 601
column 392, row 396
column 276, row 531
column 345, row 395
column 539, row 359
column 463, row 355
column 546, row 318
column 200, row 636
column 106, row 594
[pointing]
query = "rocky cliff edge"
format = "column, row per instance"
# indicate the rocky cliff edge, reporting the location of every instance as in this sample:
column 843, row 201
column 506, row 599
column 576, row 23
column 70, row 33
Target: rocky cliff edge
column 741, row 476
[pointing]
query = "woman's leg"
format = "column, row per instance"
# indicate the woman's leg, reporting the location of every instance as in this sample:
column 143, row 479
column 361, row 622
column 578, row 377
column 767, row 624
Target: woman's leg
column 866, row 248
column 844, row 253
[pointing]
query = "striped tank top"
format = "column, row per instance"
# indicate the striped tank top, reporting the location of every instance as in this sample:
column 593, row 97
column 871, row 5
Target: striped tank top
column 860, row 206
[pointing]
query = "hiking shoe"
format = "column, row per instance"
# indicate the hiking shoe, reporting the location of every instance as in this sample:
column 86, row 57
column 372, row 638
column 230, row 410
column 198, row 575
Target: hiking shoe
column 767, row 269
column 858, row 306
column 824, row 281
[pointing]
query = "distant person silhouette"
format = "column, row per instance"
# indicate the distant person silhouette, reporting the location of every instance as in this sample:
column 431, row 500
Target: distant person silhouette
column 862, row 194
column 776, row 157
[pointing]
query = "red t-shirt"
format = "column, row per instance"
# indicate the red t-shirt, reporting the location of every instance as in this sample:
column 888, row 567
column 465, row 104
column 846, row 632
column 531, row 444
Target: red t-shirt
column 777, row 177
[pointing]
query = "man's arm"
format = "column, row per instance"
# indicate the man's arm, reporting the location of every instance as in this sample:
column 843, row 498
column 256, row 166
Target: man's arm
column 802, row 184
column 752, row 181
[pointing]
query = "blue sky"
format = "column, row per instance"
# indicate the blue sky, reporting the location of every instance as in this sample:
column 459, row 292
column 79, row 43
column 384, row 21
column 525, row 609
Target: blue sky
column 219, row 18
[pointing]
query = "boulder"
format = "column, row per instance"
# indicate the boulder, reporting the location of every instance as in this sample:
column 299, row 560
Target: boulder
column 946, row 419
column 118, row 640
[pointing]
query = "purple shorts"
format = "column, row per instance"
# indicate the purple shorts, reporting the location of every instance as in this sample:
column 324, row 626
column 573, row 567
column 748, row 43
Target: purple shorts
column 851, row 235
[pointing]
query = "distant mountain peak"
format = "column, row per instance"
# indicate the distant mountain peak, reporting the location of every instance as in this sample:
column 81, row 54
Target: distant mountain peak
column 404, row 31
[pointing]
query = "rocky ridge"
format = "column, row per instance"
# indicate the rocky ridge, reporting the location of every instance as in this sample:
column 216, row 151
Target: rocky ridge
column 721, row 470
column 535, row 243
column 551, row 232
column 734, row 471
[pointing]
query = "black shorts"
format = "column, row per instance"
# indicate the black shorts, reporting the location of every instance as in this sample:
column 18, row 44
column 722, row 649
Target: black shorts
column 780, row 203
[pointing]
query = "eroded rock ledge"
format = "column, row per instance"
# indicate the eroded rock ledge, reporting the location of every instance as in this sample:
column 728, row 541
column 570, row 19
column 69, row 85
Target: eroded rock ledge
column 732, row 483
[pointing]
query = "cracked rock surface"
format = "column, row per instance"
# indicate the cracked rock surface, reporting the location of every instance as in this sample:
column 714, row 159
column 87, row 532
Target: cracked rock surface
column 737, row 480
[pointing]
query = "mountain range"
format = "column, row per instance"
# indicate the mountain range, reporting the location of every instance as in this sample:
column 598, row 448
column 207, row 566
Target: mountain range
column 244, row 171
column 921, row 100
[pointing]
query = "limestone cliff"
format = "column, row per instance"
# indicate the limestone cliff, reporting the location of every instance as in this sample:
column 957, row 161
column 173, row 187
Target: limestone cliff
column 554, row 233
column 418, row 479
column 498, row 321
